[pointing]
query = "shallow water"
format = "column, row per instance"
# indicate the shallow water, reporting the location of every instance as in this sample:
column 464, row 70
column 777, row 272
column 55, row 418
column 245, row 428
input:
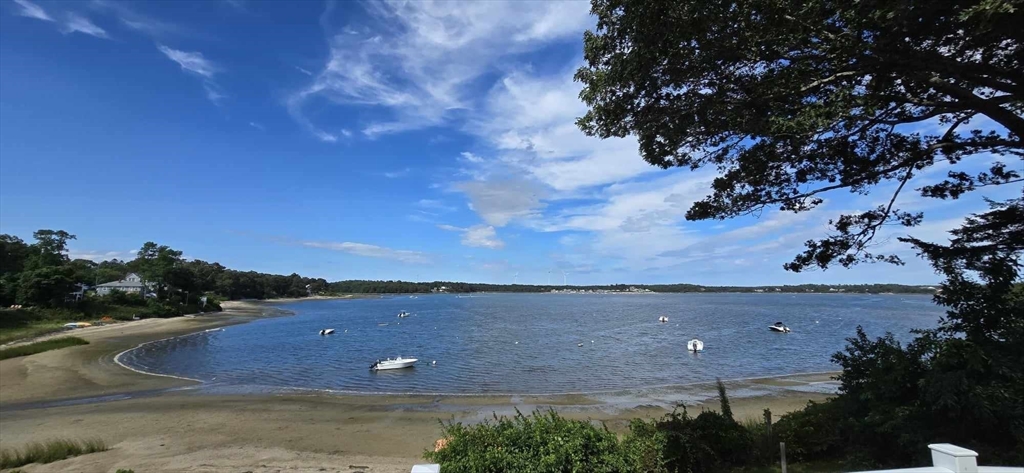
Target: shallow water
column 474, row 341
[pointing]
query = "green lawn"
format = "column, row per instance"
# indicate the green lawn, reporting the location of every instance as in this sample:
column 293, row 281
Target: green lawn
column 39, row 347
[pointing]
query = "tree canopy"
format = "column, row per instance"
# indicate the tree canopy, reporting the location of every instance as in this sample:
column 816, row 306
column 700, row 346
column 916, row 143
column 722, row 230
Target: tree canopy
column 789, row 100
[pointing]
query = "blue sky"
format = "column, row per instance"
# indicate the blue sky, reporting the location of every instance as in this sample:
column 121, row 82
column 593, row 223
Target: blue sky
column 396, row 140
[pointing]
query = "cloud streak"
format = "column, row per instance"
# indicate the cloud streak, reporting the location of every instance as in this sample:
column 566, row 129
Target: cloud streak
column 196, row 64
column 370, row 251
column 480, row 236
column 80, row 24
column 193, row 62
column 31, row 10
column 418, row 64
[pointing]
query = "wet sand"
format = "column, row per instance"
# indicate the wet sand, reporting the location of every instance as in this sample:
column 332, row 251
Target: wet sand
column 157, row 424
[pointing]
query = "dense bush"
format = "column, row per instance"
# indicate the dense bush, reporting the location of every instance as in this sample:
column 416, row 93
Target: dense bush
column 813, row 432
column 545, row 442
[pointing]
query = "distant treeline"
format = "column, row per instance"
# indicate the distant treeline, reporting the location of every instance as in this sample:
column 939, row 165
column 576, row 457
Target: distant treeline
column 393, row 287
column 40, row 274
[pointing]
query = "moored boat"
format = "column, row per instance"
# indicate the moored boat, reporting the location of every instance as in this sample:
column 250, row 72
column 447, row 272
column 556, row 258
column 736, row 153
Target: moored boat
column 393, row 363
column 779, row 327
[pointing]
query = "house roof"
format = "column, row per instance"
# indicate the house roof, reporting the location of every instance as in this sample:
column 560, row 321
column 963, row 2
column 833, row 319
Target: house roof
column 121, row 284
column 125, row 282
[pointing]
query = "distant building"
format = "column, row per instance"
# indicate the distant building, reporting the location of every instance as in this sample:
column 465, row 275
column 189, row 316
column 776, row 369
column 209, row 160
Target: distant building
column 131, row 284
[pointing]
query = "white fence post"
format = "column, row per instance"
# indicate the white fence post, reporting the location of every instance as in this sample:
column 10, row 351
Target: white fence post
column 954, row 458
column 782, row 452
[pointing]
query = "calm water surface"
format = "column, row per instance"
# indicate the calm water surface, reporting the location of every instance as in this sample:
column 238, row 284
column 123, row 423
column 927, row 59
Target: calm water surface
column 527, row 343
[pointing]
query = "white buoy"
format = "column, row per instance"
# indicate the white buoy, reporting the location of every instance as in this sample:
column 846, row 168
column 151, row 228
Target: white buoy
column 591, row 341
column 517, row 343
column 433, row 363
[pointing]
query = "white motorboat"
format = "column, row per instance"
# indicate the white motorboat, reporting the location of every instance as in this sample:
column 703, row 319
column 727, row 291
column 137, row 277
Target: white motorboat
column 695, row 345
column 779, row 327
column 403, row 314
column 327, row 331
column 393, row 363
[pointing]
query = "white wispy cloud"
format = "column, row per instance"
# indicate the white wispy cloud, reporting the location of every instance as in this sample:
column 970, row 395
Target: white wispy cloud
column 398, row 173
column 213, row 92
column 419, row 64
column 98, row 256
column 193, row 62
column 370, row 251
column 31, row 10
column 257, row 126
column 140, row 22
column 481, row 236
column 304, row 71
column 75, row 23
column 434, row 204
column 498, row 202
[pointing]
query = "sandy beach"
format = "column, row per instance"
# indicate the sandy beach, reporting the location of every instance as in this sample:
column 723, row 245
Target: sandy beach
column 158, row 424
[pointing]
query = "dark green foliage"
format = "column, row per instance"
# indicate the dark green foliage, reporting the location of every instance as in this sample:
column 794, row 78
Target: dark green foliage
column 813, row 432
column 707, row 443
column 122, row 470
column 39, row 347
column 49, row 451
column 788, row 100
column 723, row 399
column 544, row 442
column 791, row 100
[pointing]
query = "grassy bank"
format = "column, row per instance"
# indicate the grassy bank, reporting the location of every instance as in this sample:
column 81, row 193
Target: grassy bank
column 30, row 330
column 39, row 347
column 49, row 451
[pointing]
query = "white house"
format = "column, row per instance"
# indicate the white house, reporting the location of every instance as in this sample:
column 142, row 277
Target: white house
column 131, row 284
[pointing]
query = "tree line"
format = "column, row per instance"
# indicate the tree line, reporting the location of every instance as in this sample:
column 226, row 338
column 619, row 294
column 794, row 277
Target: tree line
column 408, row 287
column 41, row 274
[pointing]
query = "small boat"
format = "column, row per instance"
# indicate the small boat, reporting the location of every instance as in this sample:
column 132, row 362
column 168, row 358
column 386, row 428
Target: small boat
column 403, row 314
column 327, row 331
column 695, row 345
column 393, row 364
column 382, row 324
column 663, row 319
column 779, row 327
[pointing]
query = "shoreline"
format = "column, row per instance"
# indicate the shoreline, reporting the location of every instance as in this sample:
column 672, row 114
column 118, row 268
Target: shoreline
column 158, row 423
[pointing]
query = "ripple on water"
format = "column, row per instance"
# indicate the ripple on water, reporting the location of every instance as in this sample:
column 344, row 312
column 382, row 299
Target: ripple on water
column 474, row 342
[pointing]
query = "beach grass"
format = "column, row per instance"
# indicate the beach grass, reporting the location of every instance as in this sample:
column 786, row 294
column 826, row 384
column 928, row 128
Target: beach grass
column 39, row 347
column 49, row 451
column 33, row 330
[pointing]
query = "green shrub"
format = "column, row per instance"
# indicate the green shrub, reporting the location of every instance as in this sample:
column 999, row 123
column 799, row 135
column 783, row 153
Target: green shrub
column 39, row 347
column 49, row 451
column 812, row 433
column 544, row 442
column 122, row 470
column 709, row 442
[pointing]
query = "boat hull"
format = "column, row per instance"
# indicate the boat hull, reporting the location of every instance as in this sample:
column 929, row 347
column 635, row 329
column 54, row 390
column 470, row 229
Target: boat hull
column 396, row 366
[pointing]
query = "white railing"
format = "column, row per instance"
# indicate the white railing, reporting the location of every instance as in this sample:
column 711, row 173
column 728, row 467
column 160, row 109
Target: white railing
column 949, row 458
